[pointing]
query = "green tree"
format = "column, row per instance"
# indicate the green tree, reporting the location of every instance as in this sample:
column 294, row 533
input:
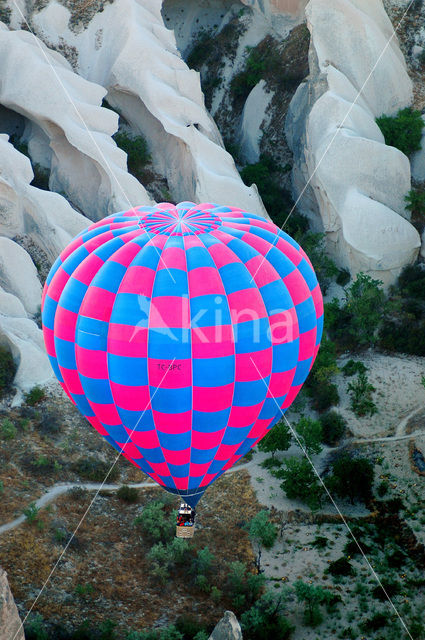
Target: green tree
column 300, row 481
column 164, row 557
column 262, row 533
column 310, row 434
column 277, row 439
column 312, row 597
column 361, row 399
column 266, row 619
column 155, row 522
column 365, row 302
column 352, row 478
column 333, row 427
column 242, row 586
column 403, row 131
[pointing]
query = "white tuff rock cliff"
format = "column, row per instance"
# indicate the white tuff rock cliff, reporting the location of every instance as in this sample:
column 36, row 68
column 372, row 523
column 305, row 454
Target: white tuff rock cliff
column 357, row 184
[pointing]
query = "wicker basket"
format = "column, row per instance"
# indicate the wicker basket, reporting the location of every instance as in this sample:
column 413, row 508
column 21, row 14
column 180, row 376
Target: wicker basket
column 185, row 532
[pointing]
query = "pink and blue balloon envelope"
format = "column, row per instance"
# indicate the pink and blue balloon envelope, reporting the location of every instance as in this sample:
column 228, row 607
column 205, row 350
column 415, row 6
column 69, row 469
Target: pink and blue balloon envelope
column 182, row 333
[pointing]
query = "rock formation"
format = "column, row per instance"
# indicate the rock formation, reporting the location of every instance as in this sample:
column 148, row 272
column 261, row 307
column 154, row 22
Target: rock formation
column 50, row 222
column 227, row 629
column 128, row 50
column 66, row 129
column 10, row 624
column 356, row 184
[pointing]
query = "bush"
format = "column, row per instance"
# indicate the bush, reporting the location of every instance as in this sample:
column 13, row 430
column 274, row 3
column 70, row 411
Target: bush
column 189, row 627
column 403, row 131
column 262, row 533
column 324, row 393
column 8, row 430
column 312, row 596
column 48, row 423
column 352, row 367
column 136, row 149
column 164, row 557
column 377, row 621
column 34, row 396
column 94, row 469
column 31, row 513
column 333, row 427
column 391, row 587
column 340, row 567
column 361, row 400
column 155, row 522
column 352, row 478
column 7, row 370
column 271, row 463
column 310, row 434
column 415, row 203
column 266, row 619
column 242, row 586
column 128, row 494
column 277, row 439
column 300, row 481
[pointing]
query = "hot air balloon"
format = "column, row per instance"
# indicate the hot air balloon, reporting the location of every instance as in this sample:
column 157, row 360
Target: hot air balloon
column 182, row 333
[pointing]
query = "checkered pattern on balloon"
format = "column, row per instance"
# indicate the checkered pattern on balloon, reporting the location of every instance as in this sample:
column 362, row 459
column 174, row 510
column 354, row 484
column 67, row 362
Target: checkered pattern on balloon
column 182, row 333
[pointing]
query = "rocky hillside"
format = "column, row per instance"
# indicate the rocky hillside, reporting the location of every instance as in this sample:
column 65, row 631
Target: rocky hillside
column 105, row 105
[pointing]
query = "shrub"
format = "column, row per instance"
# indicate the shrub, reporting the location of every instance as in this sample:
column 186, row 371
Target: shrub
column 340, row 567
column 49, row 423
column 377, row 621
column 94, row 469
column 300, row 481
column 403, row 131
column 323, row 392
column 361, row 400
column 352, row 367
column 389, row 587
column 155, row 522
column 189, row 626
column 242, row 586
column 352, row 478
column 164, row 557
column 8, row 430
column 324, row 267
column 35, row 629
column 277, row 439
column 312, row 596
column 333, row 427
column 128, row 494
column 136, row 149
column 34, row 396
column 266, row 619
column 320, row 542
column 415, row 203
column 7, row 370
column 262, row 533
column 271, row 463
column 310, row 434
column 31, row 513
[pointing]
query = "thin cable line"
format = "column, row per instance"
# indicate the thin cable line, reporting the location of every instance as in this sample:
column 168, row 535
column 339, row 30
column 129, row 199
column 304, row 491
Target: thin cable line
column 89, row 132
column 305, row 452
column 394, row 33
column 87, row 510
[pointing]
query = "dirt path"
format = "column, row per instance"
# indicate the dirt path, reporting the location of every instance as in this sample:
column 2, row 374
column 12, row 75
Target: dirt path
column 61, row 488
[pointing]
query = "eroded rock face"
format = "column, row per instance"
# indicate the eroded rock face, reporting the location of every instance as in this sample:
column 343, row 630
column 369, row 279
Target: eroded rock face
column 50, row 223
column 128, row 50
column 10, row 624
column 356, row 184
column 227, row 629
column 66, row 129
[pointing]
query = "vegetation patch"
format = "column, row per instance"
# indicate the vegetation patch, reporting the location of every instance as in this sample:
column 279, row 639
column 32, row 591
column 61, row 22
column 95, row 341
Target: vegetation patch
column 403, row 131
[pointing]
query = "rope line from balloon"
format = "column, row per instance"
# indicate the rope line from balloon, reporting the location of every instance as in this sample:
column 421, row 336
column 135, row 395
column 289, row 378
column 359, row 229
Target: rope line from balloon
column 341, row 515
column 61, row 555
column 365, row 83
column 89, row 133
